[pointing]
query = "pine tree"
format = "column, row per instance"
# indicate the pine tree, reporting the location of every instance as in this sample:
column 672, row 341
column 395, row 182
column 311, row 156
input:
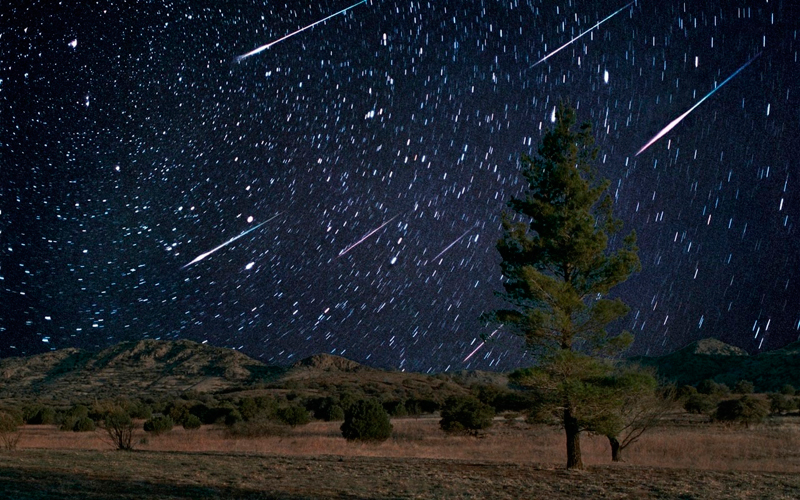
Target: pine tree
column 558, row 270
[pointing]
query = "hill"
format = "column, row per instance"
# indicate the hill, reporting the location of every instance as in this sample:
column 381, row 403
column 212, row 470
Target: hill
column 723, row 363
column 156, row 368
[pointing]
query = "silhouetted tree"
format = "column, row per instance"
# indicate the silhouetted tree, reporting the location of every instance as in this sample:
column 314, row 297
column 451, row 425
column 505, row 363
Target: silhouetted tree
column 558, row 269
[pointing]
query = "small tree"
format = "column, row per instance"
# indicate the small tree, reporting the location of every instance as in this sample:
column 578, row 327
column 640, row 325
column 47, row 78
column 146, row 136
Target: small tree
column 119, row 427
column 192, row 422
column 465, row 414
column 780, row 403
column 744, row 387
column 294, row 415
column 158, row 425
column 366, row 420
column 746, row 410
column 9, row 433
column 701, row 404
column 558, row 270
column 788, row 390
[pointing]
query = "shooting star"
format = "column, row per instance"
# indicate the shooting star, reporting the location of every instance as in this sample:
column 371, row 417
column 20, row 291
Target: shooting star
column 451, row 244
column 480, row 345
column 677, row 120
column 350, row 247
column 270, row 44
column 204, row 255
column 551, row 54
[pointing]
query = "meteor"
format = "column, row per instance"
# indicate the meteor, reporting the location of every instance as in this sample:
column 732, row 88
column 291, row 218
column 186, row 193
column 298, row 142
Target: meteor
column 350, row 247
column 453, row 243
column 204, row 255
column 551, row 54
column 270, row 44
column 677, row 120
column 480, row 345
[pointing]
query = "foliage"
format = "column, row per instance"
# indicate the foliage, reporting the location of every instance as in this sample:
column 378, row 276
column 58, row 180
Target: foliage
column 781, row 403
column 366, row 420
column 743, row 387
column 84, row 424
column 39, row 415
column 258, row 407
column 395, row 408
column 421, row 406
column 72, row 416
column 159, row 424
column 558, row 270
column 788, row 390
column 294, row 415
column 119, row 427
column 192, row 422
column 465, row 414
column 712, row 388
column 746, row 410
column 9, row 424
column 702, row 404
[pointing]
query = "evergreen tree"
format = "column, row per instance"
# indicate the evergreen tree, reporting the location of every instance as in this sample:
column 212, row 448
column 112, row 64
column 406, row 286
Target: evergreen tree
column 557, row 269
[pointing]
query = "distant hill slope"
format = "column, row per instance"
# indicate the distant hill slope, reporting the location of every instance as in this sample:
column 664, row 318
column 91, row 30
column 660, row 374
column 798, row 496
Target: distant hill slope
column 712, row 359
column 160, row 367
column 144, row 367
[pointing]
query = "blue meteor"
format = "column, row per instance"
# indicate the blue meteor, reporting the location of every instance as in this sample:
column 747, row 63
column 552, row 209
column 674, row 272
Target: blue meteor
column 204, row 255
column 551, row 54
column 270, row 44
column 677, row 120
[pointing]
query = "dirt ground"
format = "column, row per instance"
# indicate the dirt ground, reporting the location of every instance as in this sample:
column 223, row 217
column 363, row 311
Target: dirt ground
column 420, row 462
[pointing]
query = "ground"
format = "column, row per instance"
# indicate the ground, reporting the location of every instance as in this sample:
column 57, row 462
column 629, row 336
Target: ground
column 419, row 462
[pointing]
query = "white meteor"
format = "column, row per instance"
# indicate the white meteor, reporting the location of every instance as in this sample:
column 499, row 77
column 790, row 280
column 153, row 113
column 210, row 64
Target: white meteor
column 677, row 120
column 551, row 54
column 204, row 255
column 350, row 247
column 451, row 244
column 480, row 345
column 270, row 44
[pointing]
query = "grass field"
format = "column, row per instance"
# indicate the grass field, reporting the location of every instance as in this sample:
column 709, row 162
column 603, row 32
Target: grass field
column 512, row 461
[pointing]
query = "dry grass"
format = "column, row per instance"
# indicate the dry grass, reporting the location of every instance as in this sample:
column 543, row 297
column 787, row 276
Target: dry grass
column 699, row 447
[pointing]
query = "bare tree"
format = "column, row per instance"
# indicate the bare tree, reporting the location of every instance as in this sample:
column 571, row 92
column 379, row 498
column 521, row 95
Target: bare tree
column 119, row 427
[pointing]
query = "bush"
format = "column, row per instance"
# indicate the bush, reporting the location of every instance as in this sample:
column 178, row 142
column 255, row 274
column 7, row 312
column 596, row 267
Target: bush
column 9, row 423
column 366, row 420
column 419, row 406
column 159, row 425
column 465, row 414
column 745, row 410
column 685, row 392
column 84, row 424
column 192, row 422
column 744, row 387
column 780, row 403
column 788, row 390
column 119, row 426
column 395, row 408
column 39, row 415
column 711, row 388
column 700, row 404
column 294, row 415
column 72, row 416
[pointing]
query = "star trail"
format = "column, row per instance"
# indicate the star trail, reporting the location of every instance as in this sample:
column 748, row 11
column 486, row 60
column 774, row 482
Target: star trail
column 387, row 136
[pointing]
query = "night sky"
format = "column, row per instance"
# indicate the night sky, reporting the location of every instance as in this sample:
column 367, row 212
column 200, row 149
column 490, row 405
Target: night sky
column 370, row 158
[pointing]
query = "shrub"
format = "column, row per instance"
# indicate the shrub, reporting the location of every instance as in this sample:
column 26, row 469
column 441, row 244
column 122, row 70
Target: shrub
column 9, row 423
column 788, row 390
column 158, row 425
column 39, row 415
column 232, row 417
column 366, row 420
column 84, row 424
column 293, row 415
column 745, row 410
column 699, row 403
column 395, row 408
column 192, row 422
column 119, row 426
column 465, row 414
column 744, row 387
column 419, row 406
column 709, row 387
column 71, row 417
column 780, row 403
column 684, row 392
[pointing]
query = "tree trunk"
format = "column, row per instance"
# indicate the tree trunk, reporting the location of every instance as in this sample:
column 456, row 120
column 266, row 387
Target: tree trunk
column 616, row 451
column 573, row 432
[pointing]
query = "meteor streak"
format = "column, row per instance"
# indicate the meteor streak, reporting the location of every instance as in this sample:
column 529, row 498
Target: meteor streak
column 350, row 247
column 551, row 54
column 270, row 44
column 204, row 255
column 677, row 120
column 453, row 243
column 480, row 345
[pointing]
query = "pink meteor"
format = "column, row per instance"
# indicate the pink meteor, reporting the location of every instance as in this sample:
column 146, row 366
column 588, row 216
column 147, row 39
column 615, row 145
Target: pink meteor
column 677, row 120
column 451, row 244
column 480, row 345
column 350, row 247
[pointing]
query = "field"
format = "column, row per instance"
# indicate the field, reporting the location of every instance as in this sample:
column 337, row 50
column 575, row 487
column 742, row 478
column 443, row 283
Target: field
column 699, row 461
